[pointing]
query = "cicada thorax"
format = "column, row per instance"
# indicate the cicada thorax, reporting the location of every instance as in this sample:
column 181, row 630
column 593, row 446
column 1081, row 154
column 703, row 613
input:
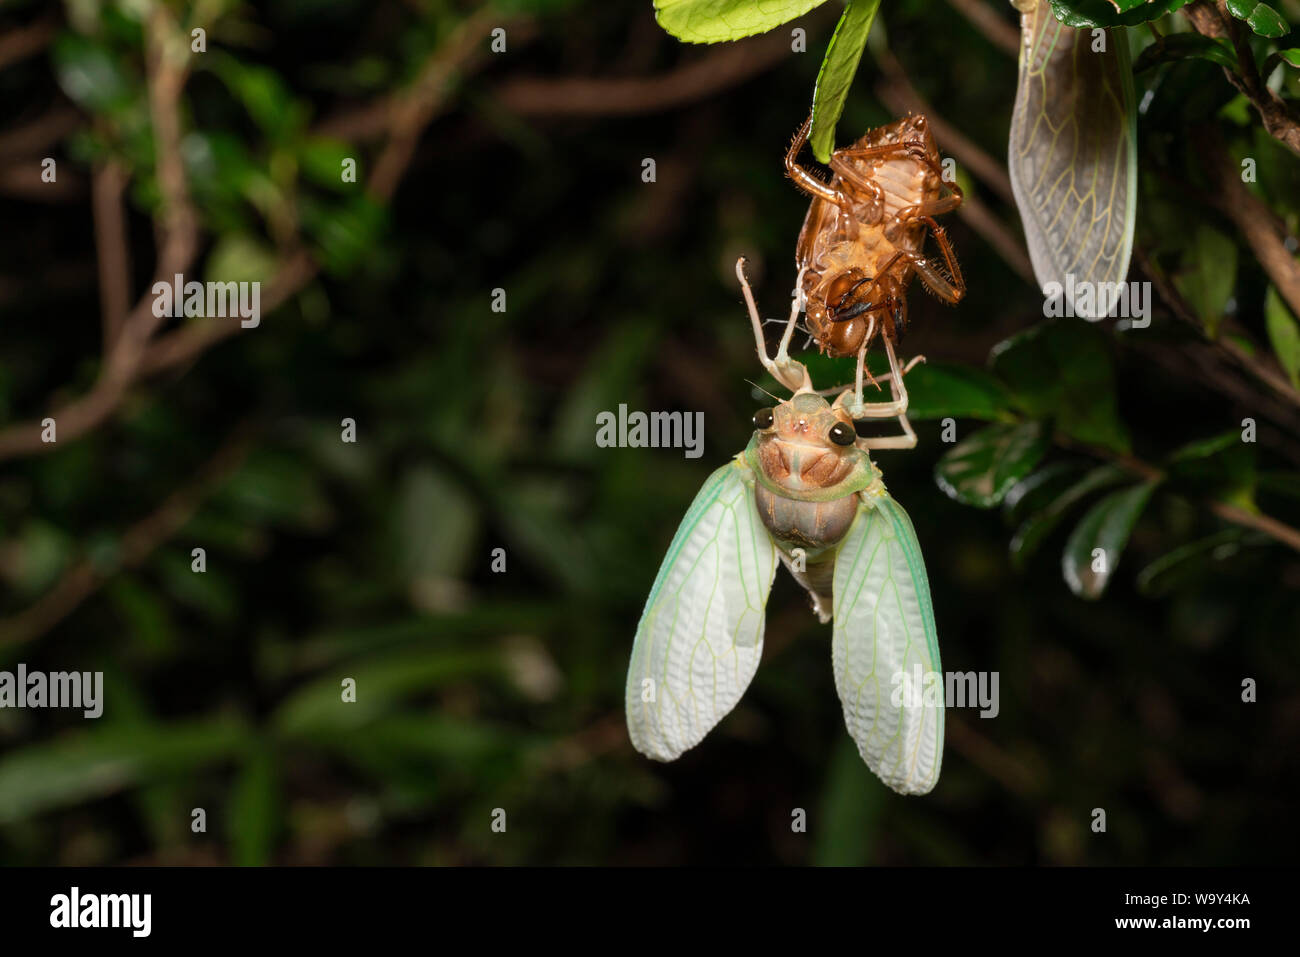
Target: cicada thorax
column 806, row 452
column 858, row 255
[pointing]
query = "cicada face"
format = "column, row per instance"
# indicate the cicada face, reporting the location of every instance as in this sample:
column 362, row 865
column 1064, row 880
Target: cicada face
column 806, row 444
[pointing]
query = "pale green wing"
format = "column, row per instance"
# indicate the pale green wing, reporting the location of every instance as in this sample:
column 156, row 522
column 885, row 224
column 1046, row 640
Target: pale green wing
column 701, row 634
column 885, row 645
column 1073, row 152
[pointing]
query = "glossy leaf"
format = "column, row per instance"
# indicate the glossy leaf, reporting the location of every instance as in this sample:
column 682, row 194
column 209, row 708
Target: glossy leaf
column 1267, row 22
column 1039, row 489
column 1222, row 466
column 1182, row 46
column 1105, row 13
column 1063, row 369
column 716, row 21
column 837, row 71
column 1035, row 529
column 939, row 391
column 1105, row 527
column 1188, row 562
column 982, row 469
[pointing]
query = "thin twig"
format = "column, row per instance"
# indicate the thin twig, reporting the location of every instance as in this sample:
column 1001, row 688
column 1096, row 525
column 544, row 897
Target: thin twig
column 1278, row 531
column 411, row 111
column 1279, row 117
column 21, row 42
column 695, row 80
column 1253, row 218
column 138, row 542
column 112, row 249
column 989, row 22
column 136, row 352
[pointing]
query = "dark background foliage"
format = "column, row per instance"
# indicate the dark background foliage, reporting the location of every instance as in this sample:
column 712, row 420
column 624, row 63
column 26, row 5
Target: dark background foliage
column 480, row 690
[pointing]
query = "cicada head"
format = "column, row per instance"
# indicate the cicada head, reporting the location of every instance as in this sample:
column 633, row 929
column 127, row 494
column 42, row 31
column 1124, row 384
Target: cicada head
column 842, row 311
column 805, row 444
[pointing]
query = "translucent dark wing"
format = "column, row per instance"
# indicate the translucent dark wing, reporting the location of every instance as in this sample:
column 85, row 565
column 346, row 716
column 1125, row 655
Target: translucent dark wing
column 701, row 634
column 1072, row 156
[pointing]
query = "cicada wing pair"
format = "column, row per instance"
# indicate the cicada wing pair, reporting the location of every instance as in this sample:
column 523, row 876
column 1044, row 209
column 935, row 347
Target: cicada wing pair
column 701, row 635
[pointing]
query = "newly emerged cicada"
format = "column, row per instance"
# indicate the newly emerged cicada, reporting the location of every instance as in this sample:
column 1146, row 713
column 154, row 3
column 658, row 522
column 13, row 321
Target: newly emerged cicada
column 864, row 236
column 805, row 491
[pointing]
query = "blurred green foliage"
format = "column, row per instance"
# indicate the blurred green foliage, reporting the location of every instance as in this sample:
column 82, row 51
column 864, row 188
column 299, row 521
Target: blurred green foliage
column 479, row 689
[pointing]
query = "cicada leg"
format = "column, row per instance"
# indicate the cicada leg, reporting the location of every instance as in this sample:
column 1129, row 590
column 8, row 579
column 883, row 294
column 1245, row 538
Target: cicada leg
column 897, row 408
column 805, row 180
column 950, row 290
column 790, row 373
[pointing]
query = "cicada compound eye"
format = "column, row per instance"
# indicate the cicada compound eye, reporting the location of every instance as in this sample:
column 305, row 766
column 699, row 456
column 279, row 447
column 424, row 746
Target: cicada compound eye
column 842, row 434
column 763, row 419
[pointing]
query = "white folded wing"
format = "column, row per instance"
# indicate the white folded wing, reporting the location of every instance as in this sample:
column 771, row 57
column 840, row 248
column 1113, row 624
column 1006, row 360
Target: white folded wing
column 701, row 634
column 884, row 640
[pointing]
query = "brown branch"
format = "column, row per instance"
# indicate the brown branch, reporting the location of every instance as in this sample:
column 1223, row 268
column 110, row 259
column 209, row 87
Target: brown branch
column 112, row 248
column 1279, row 118
column 138, row 542
column 412, row 110
column 177, row 246
column 1278, row 531
column 1252, row 361
column 987, row 21
column 34, row 138
column 1253, row 218
column 697, row 79
column 135, row 352
column 21, row 42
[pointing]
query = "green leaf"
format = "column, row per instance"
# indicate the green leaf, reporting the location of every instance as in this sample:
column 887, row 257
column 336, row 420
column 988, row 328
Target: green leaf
column 1222, row 466
column 852, row 808
column 943, row 390
column 1290, row 57
column 1035, row 529
column 1106, row 526
column 1267, row 22
column 240, row 258
column 263, row 94
column 108, row 760
column 1039, row 489
column 1241, row 9
column 1189, row 562
column 982, row 469
column 1105, row 13
column 1063, row 369
column 1283, row 334
column 716, row 21
column 1183, row 46
column 88, row 73
column 254, row 809
column 381, row 685
column 322, row 162
column 1210, row 275
column 837, row 72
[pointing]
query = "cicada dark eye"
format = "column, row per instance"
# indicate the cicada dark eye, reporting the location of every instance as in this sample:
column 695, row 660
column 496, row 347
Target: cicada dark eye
column 763, row 419
column 842, row 434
